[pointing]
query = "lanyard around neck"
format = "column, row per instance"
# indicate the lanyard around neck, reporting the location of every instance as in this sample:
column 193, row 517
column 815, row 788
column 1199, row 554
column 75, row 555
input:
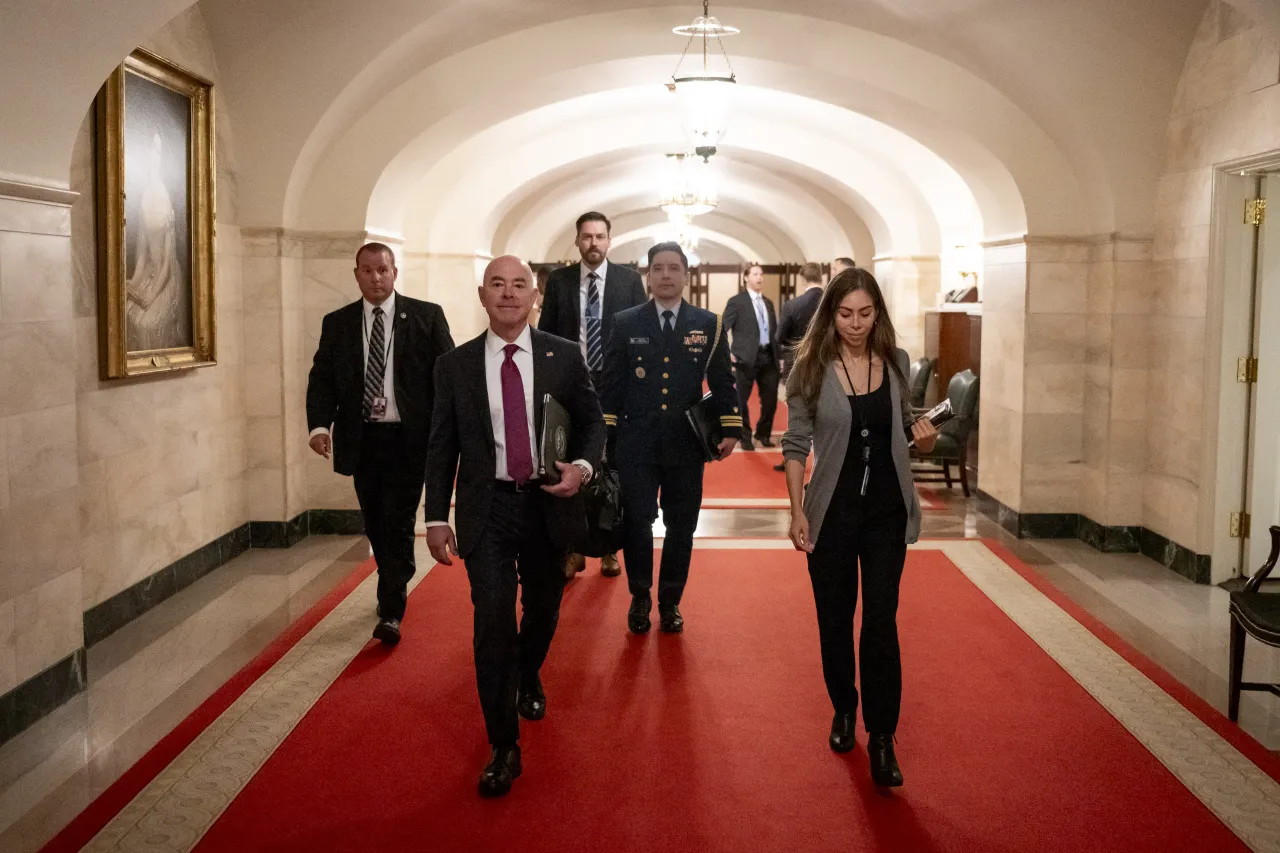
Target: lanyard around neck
column 857, row 398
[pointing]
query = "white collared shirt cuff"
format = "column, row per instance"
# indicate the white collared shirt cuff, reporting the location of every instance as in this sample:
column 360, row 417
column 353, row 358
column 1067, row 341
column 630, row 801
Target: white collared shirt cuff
column 318, row 431
column 437, row 524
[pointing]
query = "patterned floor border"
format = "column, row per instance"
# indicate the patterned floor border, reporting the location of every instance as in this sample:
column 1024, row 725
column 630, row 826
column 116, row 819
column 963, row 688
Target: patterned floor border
column 176, row 809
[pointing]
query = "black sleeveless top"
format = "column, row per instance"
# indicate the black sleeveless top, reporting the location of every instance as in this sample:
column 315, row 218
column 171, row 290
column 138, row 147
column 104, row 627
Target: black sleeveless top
column 884, row 493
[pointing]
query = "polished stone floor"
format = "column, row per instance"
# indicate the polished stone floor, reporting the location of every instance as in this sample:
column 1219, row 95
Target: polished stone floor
column 147, row 677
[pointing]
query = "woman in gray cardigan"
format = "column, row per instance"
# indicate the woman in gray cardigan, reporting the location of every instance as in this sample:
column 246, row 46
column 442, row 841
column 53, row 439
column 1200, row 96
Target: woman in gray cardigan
column 846, row 401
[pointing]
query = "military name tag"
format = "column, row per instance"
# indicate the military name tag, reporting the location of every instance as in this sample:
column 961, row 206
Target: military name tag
column 640, row 373
column 639, row 340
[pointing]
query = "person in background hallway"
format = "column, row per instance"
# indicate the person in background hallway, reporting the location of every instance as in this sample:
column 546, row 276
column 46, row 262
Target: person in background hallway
column 752, row 325
column 796, row 314
column 513, row 529
column 653, row 372
column 580, row 304
column 839, row 265
column 369, row 400
column 847, row 401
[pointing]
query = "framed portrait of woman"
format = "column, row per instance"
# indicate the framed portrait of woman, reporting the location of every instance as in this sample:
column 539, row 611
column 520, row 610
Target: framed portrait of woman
column 155, row 188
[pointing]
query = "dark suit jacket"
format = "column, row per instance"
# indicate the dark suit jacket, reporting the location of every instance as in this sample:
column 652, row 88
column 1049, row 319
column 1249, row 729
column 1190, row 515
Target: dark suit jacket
column 335, row 388
column 740, row 319
column 562, row 303
column 462, row 435
column 646, row 389
column 796, row 315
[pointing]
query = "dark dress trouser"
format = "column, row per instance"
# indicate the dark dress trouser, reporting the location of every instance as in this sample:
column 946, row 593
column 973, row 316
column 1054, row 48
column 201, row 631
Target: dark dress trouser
column 516, row 549
column 680, row 487
column 763, row 373
column 389, row 491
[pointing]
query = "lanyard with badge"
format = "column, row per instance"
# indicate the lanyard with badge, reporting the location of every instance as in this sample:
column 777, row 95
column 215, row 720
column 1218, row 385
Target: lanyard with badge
column 862, row 419
column 378, row 408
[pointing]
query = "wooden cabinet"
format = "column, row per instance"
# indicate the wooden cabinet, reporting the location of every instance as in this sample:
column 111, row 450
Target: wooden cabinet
column 953, row 339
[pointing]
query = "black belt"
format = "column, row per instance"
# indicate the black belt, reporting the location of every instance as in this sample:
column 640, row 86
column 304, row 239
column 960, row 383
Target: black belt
column 511, row 486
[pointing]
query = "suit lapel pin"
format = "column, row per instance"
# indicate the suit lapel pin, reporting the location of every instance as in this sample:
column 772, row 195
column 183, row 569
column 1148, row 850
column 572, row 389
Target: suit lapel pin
column 403, row 315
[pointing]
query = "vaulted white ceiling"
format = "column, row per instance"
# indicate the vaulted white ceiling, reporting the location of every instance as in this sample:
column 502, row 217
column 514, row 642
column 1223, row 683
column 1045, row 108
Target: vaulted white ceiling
column 898, row 127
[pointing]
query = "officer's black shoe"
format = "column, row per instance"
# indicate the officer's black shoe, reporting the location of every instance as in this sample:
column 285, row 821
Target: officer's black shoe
column 672, row 621
column 766, row 442
column 885, row 772
column 387, row 631
column 531, row 702
column 746, row 444
column 503, row 769
column 842, row 732
column 638, row 615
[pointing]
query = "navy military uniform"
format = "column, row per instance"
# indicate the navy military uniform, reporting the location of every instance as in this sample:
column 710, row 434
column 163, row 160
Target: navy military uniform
column 651, row 377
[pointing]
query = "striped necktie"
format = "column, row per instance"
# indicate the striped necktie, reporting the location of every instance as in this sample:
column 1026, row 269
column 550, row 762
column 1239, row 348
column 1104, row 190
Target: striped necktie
column 595, row 344
column 376, row 364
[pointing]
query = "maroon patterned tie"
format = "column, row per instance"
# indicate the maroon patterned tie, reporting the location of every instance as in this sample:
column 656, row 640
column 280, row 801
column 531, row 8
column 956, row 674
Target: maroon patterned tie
column 514, row 417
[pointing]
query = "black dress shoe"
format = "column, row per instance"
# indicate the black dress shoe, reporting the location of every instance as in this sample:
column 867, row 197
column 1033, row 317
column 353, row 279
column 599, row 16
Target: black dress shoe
column 747, row 445
column 842, row 733
column 884, row 765
column 503, row 769
column 388, row 631
column 672, row 621
column 766, row 442
column 531, row 702
column 638, row 614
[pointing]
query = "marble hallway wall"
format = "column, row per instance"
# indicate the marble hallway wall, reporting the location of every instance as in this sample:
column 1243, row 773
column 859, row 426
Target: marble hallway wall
column 1001, row 392
column 162, row 459
column 911, row 286
column 1227, row 107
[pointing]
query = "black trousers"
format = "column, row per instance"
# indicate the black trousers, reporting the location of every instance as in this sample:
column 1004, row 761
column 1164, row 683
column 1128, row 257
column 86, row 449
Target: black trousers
column 851, row 540
column 678, row 489
column 389, row 490
column 764, row 373
column 516, row 549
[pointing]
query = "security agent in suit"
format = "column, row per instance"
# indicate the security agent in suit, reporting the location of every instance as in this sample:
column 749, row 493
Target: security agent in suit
column 653, row 373
column 369, row 400
column 580, row 304
column 752, row 326
column 796, row 315
column 513, row 529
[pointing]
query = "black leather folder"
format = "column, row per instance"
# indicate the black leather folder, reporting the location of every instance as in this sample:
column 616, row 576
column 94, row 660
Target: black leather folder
column 553, row 439
column 705, row 424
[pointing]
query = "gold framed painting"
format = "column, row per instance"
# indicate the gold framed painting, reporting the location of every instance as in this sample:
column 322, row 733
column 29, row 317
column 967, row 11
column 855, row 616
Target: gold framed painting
column 155, row 193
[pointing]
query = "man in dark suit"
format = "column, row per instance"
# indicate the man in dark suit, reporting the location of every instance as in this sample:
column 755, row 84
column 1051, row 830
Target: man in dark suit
column 752, row 327
column 513, row 527
column 580, row 304
column 369, row 399
column 654, row 369
column 796, row 315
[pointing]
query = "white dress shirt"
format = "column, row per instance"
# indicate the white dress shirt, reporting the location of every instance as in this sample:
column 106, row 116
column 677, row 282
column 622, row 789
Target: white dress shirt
column 674, row 309
column 388, row 376
column 494, row 356
column 762, row 315
column 583, row 281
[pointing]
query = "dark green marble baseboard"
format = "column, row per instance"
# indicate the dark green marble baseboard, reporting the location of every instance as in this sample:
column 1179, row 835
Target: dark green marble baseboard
column 278, row 534
column 1120, row 539
column 35, row 698
column 339, row 522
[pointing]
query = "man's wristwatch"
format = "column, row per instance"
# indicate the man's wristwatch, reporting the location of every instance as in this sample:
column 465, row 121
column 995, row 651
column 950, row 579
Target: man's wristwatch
column 586, row 473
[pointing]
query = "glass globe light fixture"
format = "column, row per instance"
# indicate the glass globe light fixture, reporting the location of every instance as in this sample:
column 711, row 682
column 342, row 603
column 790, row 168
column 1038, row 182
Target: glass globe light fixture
column 705, row 89
column 689, row 186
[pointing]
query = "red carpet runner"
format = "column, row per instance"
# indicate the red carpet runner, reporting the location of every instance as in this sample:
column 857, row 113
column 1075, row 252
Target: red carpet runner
column 716, row 740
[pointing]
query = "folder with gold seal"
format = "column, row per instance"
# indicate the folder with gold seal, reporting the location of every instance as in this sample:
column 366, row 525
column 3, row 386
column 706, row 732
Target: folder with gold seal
column 553, row 439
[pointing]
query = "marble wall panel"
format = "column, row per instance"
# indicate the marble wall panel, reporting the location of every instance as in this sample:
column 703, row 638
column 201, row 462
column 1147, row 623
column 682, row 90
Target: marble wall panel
column 8, row 649
column 1057, row 288
column 39, row 540
column 47, row 624
column 4, row 464
column 42, row 453
column 38, row 359
column 1056, row 339
column 35, row 278
column 1000, row 453
column 1054, row 389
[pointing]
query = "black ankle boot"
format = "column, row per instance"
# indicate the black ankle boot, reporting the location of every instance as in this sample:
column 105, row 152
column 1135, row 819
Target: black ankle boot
column 884, row 765
column 842, row 732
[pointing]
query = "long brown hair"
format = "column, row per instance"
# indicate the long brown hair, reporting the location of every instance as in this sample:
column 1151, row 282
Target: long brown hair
column 821, row 343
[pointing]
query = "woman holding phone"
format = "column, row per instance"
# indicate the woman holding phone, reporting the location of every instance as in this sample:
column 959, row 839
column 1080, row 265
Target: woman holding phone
column 846, row 401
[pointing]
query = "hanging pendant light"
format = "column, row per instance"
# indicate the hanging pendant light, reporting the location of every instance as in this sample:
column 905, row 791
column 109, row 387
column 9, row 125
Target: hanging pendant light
column 689, row 187
column 705, row 89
